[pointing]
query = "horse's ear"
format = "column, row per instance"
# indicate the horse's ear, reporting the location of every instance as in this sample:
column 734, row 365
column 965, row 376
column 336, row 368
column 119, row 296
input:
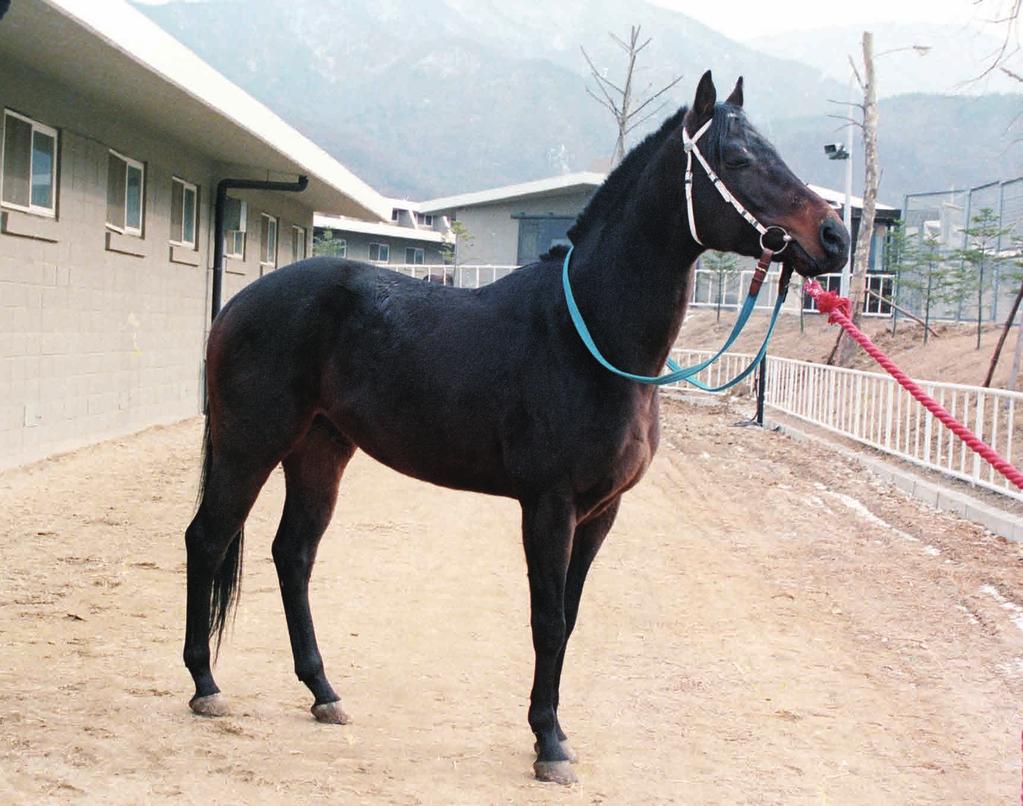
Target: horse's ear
column 735, row 99
column 703, row 105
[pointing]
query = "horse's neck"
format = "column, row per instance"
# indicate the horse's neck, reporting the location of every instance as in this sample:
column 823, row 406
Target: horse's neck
column 631, row 290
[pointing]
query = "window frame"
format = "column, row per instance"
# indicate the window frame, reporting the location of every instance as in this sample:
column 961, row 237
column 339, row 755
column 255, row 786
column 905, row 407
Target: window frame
column 380, row 246
column 180, row 225
column 129, row 162
column 417, row 251
column 243, row 219
column 264, row 220
column 299, row 235
column 49, row 131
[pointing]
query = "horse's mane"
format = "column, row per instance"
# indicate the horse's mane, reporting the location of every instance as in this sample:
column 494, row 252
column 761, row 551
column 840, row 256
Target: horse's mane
column 610, row 195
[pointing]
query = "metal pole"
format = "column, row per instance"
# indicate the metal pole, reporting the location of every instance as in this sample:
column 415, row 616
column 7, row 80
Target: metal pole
column 761, row 389
column 218, row 224
column 966, row 238
column 847, row 211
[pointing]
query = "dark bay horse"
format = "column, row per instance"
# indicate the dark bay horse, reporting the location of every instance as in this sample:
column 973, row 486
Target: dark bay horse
column 321, row 358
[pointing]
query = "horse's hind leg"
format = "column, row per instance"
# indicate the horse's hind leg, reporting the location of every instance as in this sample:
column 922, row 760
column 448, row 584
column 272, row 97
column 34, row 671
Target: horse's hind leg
column 312, row 472
column 214, row 545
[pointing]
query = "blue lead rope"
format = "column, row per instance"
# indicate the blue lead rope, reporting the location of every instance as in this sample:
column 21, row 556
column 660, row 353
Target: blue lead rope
column 678, row 373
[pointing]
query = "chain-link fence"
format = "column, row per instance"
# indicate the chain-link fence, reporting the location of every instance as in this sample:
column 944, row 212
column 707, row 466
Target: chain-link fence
column 939, row 278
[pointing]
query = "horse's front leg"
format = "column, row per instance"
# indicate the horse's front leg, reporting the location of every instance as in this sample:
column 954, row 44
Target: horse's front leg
column 548, row 523
column 588, row 539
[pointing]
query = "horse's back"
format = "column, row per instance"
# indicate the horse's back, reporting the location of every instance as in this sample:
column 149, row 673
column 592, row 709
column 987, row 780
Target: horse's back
column 429, row 379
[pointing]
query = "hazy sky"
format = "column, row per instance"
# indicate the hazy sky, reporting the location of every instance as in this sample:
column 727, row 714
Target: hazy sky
column 745, row 19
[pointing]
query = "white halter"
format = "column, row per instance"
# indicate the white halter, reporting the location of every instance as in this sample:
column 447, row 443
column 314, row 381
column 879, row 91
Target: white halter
column 689, row 144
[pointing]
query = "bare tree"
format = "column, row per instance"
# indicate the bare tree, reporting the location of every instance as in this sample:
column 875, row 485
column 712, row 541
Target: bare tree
column 844, row 350
column 1005, row 14
column 620, row 100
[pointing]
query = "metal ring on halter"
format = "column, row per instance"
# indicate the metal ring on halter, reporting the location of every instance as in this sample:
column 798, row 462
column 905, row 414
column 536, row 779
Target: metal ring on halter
column 785, row 238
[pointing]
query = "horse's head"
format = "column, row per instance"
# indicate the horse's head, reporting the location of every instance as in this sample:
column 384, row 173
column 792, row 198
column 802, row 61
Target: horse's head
column 751, row 171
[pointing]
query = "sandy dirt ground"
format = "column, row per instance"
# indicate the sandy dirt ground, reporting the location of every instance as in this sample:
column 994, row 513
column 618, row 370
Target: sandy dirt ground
column 766, row 624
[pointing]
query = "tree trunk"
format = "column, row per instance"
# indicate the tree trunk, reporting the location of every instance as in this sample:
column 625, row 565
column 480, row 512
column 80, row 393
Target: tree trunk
column 857, row 288
column 1001, row 341
column 927, row 308
column 1017, row 359
column 980, row 304
column 721, row 282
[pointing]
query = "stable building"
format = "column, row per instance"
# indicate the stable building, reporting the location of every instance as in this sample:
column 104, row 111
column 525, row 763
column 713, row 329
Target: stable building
column 513, row 225
column 408, row 239
column 115, row 140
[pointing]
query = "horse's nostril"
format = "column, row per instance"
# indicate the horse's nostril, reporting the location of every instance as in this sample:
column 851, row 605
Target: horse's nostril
column 833, row 237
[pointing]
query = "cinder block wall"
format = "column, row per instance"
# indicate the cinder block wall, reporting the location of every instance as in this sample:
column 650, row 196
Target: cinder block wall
column 102, row 334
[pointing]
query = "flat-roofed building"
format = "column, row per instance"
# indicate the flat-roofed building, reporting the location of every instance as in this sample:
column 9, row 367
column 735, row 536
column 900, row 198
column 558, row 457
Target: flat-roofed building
column 114, row 140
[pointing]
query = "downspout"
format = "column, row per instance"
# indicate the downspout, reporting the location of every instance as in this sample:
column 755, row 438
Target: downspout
column 223, row 186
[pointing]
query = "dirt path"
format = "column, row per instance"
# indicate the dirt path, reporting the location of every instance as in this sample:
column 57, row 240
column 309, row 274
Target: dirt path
column 763, row 626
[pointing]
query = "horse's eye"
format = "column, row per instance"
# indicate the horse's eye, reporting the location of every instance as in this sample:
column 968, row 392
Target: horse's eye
column 737, row 158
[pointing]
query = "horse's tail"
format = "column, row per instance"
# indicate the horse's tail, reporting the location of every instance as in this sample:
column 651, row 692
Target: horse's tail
column 226, row 587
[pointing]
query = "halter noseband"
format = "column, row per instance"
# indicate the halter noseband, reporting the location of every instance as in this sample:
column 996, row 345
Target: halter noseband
column 767, row 254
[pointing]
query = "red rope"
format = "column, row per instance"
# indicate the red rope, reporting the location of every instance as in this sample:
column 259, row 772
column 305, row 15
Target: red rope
column 839, row 311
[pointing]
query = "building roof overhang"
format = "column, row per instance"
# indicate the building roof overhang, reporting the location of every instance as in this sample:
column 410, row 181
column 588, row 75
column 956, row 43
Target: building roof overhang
column 110, row 51
column 373, row 228
column 562, row 185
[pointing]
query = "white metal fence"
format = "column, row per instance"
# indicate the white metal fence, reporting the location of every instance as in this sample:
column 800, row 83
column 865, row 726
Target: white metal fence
column 733, row 291
column 458, row 276
column 874, row 410
column 705, row 288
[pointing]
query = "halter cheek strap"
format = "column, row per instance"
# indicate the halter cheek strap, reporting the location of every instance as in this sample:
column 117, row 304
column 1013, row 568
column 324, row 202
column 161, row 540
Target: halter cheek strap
column 690, row 147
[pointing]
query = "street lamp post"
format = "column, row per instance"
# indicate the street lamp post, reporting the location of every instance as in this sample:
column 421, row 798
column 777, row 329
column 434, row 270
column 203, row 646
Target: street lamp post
column 837, row 151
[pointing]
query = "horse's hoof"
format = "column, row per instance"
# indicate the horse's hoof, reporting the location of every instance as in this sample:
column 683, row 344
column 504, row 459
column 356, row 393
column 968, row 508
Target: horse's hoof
column 555, row 772
column 210, row 705
column 330, row 713
column 566, row 748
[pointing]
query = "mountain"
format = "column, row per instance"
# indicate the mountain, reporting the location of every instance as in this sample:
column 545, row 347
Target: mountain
column 925, row 142
column 954, row 58
column 424, row 100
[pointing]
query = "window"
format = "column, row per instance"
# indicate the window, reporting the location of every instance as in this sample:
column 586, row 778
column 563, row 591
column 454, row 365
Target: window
column 184, row 212
column 236, row 214
column 379, row 252
column 29, row 165
column 125, row 194
column 413, row 255
column 298, row 243
column 394, row 214
column 268, row 241
column 538, row 235
column 425, row 220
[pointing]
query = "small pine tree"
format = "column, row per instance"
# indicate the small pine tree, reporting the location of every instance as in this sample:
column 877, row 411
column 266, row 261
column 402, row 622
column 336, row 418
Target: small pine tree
column 924, row 269
column 898, row 257
column 324, row 243
column 459, row 234
column 975, row 263
column 722, row 265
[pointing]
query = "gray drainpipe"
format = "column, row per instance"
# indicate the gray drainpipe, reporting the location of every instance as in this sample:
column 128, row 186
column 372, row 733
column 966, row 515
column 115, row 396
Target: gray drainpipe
column 223, row 186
